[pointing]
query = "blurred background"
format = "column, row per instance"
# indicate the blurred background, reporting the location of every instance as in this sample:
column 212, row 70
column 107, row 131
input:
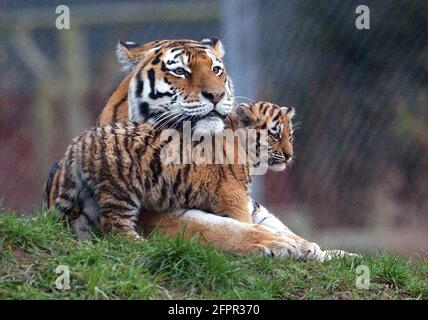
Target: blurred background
column 360, row 178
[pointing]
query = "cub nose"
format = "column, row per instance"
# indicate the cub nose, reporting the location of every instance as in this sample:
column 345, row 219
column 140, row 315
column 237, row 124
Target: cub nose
column 213, row 96
column 287, row 156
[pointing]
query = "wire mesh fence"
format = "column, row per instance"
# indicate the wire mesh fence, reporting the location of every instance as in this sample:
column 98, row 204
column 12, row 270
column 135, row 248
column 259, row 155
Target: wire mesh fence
column 361, row 99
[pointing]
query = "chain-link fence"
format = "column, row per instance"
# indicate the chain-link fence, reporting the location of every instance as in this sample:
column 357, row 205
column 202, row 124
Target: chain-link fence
column 360, row 176
column 361, row 95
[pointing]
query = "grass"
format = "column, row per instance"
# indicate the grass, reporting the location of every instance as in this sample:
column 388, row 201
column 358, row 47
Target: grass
column 31, row 248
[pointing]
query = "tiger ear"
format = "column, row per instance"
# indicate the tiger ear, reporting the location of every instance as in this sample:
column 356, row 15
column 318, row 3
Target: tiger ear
column 129, row 54
column 245, row 116
column 290, row 111
column 216, row 44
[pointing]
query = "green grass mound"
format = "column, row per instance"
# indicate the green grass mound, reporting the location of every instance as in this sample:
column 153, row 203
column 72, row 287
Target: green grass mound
column 31, row 249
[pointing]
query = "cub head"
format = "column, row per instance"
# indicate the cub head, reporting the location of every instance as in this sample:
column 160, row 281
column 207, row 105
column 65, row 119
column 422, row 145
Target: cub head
column 277, row 121
column 178, row 80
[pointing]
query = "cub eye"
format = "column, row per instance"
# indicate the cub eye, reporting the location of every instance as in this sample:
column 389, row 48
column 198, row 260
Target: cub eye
column 180, row 72
column 291, row 139
column 217, row 70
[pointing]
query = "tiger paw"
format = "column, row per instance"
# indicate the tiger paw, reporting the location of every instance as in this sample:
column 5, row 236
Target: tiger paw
column 309, row 250
column 280, row 249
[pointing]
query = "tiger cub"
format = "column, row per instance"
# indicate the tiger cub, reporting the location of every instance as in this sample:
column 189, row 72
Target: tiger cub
column 115, row 172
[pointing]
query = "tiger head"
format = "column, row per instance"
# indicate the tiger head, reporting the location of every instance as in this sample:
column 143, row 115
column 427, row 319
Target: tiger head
column 178, row 80
column 277, row 121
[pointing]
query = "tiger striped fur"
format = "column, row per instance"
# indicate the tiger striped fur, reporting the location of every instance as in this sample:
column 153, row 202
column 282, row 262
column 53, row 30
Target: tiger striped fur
column 116, row 171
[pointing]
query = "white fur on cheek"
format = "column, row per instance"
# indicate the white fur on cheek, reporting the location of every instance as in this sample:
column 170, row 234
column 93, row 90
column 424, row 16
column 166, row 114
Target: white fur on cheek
column 133, row 101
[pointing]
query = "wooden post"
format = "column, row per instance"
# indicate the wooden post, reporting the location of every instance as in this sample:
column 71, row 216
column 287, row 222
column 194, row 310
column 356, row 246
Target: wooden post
column 74, row 80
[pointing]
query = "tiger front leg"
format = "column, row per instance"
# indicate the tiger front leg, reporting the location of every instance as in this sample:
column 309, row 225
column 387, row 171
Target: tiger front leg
column 261, row 216
column 232, row 203
column 118, row 217
column 223, row 233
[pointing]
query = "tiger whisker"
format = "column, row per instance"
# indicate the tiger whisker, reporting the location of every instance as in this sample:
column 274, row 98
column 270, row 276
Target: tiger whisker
column 168, row 121
column 243, row 97
column 172, row 118
column 161, row 123
column 163, row 116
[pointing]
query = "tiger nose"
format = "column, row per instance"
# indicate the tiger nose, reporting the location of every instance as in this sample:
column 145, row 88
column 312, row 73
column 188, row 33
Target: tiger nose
column 287, row 156
column 213, row 96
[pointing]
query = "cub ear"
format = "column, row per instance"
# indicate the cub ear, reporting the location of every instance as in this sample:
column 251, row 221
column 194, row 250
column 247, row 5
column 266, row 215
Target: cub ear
column 290, row 111
column 129, row 54
column 216, row 44
column 245, row 116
